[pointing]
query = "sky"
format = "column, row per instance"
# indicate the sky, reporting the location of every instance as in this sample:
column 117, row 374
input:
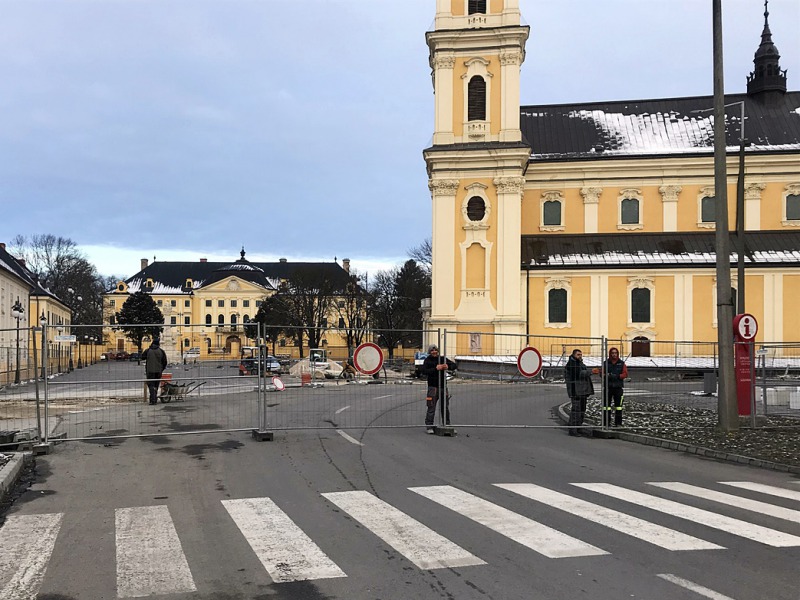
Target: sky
column 181, row 129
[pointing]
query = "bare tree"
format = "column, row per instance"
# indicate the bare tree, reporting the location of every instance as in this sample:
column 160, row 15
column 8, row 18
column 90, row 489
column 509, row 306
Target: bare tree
column 353, row 310
column 423, row 255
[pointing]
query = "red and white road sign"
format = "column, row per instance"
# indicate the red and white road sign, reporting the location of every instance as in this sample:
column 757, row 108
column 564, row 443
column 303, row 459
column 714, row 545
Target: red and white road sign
column 368, row 358
column 279, row 385
column 529, row 362
column 745, row 326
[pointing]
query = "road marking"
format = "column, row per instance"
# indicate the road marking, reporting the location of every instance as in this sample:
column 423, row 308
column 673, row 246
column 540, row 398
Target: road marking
column 28, row 542
column 764, row 508
column 770, row 537
column 765, row 489
column 529, row 533
column 150, row 559
column 697, row 589
column 350, row 439
column 628, row 524
column 341, row 410
column 286, row 552
column 382, row 397
column 419, row 544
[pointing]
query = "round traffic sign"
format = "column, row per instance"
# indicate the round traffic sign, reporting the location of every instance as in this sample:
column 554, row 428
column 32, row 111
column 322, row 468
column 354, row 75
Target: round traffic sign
column 368, row 358
column 529, row 362
column 279, row 385
column 745, row 326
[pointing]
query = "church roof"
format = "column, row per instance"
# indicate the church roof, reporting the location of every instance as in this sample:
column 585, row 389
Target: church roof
column 773, row 249
column 661, row 127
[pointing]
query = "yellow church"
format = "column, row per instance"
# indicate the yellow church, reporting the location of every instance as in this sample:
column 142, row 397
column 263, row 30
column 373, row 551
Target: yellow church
column 597, row 219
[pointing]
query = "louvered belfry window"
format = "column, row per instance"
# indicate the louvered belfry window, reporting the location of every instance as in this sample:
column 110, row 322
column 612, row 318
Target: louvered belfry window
column 477, row 7
column 476, row 99
column 476, row 209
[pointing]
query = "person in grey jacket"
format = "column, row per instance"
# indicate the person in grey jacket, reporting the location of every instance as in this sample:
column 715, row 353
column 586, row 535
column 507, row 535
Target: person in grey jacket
column 155, row 361
column 579, row 387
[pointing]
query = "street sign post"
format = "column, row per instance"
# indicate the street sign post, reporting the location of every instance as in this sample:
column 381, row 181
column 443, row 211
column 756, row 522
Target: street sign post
column 745, row 328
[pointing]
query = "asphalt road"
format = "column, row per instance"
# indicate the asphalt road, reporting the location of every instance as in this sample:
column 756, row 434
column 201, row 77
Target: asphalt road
column 388, row 512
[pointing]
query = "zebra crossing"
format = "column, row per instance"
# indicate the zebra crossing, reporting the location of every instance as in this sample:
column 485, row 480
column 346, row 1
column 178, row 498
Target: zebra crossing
column 151, row 560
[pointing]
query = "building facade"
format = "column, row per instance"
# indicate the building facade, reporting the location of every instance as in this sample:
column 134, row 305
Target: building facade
column 597, row 219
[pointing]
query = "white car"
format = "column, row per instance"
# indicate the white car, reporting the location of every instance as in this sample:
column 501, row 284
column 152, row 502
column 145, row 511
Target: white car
column 192, row 354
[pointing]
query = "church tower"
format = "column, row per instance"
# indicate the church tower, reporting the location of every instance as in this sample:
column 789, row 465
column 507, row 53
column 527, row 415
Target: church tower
column 476, row 166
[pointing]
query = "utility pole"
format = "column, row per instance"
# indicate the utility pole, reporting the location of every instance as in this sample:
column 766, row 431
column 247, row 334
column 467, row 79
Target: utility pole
column 727, row 408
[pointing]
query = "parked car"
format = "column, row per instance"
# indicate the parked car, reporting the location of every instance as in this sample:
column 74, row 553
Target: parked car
column 191, row 355
column 108, row 356
column 134, row 356
column 249, row 366
column 121, row 355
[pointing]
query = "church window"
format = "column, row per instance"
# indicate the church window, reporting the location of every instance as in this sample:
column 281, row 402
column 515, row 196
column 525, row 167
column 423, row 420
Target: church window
column 551, row 213
column 629, row 211
column 208, row 319
column 793, row 207
column 477, row 7
column 476, row 209
column 557, row 306
column 640, row 305
column 476, row 101
column 708, row 213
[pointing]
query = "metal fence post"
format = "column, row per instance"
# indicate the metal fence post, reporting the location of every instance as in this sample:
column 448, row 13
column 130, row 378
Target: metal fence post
column 45, row 373
column 604, row 399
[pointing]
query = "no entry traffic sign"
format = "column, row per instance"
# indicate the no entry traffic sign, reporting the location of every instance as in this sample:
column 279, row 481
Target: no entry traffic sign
column 529, row 362
column 368, row 358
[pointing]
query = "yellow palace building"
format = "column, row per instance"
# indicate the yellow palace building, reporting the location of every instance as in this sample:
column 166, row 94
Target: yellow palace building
column 597, row 219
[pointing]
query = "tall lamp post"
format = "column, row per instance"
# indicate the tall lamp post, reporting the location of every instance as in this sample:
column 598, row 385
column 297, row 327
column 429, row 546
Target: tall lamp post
column 18, row 312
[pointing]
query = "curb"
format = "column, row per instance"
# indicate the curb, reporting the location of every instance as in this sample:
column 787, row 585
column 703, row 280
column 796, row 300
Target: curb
column 9, row 473
column 637, row 438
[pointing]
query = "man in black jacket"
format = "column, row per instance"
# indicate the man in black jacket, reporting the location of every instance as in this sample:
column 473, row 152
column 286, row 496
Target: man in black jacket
column 579, row 387
column 155, row 361
column 434, row 368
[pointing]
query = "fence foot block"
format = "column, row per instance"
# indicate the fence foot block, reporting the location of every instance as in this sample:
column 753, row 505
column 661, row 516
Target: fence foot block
column 262, row 436
column 39, row 449
column 446, row 431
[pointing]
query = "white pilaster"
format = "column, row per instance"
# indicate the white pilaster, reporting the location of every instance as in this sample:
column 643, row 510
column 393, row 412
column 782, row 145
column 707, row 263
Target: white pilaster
column 510, row 61
column 772, row 328
column 509, row 255
column 591, row 204
column 669, row 203
column 598, row 297
column 443, row 114
column 443, row 195
column 752, row 206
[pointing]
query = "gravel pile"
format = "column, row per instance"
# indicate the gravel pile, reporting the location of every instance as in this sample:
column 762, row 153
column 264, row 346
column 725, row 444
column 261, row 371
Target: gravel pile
column 775, row 439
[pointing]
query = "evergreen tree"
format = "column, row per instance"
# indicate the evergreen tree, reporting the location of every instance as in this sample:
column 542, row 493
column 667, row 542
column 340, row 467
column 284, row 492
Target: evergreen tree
column 138, row 318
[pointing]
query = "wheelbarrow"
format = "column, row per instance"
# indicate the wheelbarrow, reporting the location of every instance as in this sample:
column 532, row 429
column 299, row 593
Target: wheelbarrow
column 177, row 391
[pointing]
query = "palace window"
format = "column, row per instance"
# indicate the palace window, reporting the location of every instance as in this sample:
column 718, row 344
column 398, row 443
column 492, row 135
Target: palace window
column 187, row 320
column 476, row 7
column 173, row 320
column 208, row 319
column 341, row 322
column 208, row 303
column 221, row 320
column 640, row 305
column 476, row 101
column 173, row 303
column 233, row 303
column 246, row 303
column 187, row 303
column 186, row 343
column 221, row 303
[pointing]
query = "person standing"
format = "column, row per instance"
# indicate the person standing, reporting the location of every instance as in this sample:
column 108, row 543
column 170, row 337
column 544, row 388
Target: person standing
column 155, row 361
column 579, row 388
column 615, row 372
column 434, row 368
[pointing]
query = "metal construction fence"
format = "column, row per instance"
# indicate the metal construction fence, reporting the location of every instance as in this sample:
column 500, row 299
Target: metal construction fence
column 61, row 387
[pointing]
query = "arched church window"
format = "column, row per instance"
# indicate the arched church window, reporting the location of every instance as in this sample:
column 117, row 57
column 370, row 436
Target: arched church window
column 629, row 211
column 551, row 213
column 793, row 207
column 476, row 209
column 557, row 305
column 221, row 320
column 476, row 99
column 708, row 213
column 640, row 305
column 477, row 7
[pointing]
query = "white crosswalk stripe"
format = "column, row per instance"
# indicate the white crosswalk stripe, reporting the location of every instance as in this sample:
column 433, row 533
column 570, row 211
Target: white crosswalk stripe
column 286, row 552
column 764, row 535
column 765, row 489
column 618, row 521
column 419, row 544
column 763, row 508
column 150, row 559
column 534, row 535
column 27, row 544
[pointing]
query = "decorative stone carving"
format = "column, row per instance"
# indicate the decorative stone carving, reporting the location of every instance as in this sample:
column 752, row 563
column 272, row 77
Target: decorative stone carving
column 752, row 191
column 444, row 61
column 591, row 195
column 792, row 189
column 670, row 193
column 558, row 283
column 233, row 285
column 640, row 281
column 511, row 57
column 553, row 195
column 509, row 185
column 443, row 187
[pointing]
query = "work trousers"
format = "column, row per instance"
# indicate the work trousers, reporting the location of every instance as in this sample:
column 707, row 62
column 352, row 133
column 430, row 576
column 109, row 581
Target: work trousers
column 153, row 381
column 577, row 412
column 613, row 405
column 430, row 400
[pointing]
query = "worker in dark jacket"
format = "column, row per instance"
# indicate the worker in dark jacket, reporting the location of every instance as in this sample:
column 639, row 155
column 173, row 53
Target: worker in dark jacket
column 155, row 361
column 615, row 372
column 579, row 388
column 434, row 368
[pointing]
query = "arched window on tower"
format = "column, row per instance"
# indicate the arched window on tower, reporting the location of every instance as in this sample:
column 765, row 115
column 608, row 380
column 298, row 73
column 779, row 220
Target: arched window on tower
column 708, row 213
column 476, row 209
column 476, row 99
column 477, row 7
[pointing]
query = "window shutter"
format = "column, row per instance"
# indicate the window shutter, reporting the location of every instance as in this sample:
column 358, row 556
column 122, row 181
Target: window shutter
column 477, row 7
column 476, row 99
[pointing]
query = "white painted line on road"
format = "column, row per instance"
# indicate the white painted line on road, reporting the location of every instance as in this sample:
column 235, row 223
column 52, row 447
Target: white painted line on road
column 350, row 439
column 150, row 559
column 764, row 535
column 382, row 397
column 525, row 531
column 341, row 410
column 286, row 552
column 628, row 524
column 27, row 543
column 697, row 589
column 765, row 489
column 419, row 544
column 763, row 508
